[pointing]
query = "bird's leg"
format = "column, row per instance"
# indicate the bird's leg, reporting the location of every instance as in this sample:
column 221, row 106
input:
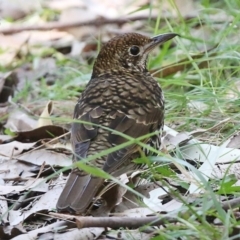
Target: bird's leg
column 111, row 197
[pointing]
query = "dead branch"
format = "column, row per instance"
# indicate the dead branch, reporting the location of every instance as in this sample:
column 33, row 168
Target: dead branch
column 96, row 22
column 62, row 26
column 230, row 204
column 116, row 222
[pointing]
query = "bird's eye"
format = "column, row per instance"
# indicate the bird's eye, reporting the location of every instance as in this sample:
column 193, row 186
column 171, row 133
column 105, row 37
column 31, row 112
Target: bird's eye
column 134, row 50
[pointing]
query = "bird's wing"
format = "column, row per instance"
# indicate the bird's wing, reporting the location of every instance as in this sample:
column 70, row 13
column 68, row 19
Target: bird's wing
column 133, row 125
column 80, row 187
column 84, row 130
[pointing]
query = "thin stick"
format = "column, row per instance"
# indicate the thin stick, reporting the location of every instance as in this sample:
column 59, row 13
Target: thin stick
column 116, row 222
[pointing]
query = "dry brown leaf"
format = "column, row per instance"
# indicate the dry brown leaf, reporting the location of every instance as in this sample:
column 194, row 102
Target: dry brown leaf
column 37, row 185
column 14, row 148
column 19, row 121
column 52, row 158
column 3, row 117
column 45, row 132
column 234, row 141
column 3, row 209
column 7, row 231
column 16, row 9
column 129, row 234
column 220, row 170
column 10, row 46
column 171, row 142
column 75, row 14
column 135, row 212
column 46, row 203
column 76, row 234
column 6, row 87
column 5, row 138
column 63, row 4
column 41, row 67
column 13, row 169
column 51, row 38
column 2, row 81
column 34, row 233
column 187, row 8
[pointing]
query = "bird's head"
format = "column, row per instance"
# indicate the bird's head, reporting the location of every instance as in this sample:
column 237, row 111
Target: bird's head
column 127, row 52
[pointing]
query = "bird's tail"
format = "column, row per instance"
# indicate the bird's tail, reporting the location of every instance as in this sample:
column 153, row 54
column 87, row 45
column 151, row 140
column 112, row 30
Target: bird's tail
column 78, row 193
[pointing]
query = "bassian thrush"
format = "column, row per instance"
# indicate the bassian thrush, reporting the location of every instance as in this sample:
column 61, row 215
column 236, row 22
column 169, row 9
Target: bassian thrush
column 123, row 96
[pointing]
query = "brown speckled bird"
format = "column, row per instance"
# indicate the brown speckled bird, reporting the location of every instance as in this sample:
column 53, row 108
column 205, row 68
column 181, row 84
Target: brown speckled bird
column 123, row 96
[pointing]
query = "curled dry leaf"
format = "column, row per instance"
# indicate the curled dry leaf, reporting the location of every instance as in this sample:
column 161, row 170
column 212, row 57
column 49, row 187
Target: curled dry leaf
column 62, row 108
column 44, row 119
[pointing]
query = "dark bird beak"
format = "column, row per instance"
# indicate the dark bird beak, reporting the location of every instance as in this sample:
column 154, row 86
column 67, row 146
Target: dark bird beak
column 159, row 39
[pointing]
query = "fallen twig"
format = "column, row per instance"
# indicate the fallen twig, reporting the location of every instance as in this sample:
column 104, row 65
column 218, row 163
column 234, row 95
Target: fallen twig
column 116, row 222
column 62, row 26
column 230, row 204
column 96, row 22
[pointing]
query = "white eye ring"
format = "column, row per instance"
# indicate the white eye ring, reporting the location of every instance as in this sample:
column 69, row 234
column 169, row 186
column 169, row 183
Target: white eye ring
column 134, row 50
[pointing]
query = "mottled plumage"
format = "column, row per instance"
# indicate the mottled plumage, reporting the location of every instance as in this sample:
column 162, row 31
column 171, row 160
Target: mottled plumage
column 123, row 96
